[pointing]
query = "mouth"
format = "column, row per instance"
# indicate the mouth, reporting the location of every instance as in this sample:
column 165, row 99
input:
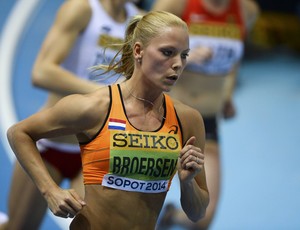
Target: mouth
column 173, row 77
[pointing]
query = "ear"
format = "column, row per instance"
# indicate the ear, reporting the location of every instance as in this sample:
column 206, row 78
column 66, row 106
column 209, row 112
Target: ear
column 137, row 50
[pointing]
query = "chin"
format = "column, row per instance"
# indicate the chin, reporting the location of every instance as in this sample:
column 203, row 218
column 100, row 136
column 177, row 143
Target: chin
column 167, row 89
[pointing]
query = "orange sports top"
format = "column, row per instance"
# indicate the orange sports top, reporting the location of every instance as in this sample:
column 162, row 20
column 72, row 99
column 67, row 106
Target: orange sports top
column 125, row 158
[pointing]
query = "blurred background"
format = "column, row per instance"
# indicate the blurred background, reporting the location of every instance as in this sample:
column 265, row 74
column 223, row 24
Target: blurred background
column 260, row 146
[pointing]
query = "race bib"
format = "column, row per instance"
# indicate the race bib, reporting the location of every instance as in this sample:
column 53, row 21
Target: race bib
column 142, row 161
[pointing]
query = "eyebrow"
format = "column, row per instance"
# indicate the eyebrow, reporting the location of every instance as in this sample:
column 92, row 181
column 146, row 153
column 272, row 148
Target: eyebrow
column 174, row 48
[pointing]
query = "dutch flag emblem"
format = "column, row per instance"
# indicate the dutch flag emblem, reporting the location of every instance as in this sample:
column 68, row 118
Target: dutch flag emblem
column 116, row 124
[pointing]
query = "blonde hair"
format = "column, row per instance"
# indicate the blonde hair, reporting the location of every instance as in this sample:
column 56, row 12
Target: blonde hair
column 140, row 29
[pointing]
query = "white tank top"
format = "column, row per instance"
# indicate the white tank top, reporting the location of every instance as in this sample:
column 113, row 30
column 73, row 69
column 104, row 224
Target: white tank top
column 89, row 47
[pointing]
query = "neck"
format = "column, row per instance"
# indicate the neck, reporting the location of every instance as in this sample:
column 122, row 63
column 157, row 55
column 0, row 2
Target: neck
column 216, row 6
column 147, row 102
column 115, row 9
column 146, row 114
column 155, row 102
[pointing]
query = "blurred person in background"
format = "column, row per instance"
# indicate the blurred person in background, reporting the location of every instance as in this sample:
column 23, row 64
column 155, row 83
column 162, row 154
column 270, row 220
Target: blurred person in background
column 145, row 4
column 75, row 42
column 218, row 30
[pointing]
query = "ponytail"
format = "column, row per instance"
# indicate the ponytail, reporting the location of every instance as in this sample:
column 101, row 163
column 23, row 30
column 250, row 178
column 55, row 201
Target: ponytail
column 143, row 29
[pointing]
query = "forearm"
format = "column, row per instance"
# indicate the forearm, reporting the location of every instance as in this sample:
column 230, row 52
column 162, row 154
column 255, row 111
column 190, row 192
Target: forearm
column 58, row 80
column 230, row 83
column 29, row 157
column 194, row 200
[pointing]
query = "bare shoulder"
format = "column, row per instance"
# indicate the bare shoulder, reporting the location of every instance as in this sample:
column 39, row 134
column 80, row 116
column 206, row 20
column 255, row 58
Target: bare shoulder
column 73, row 114
column 90, row 109
column 191, row 122
column 251, row 11
column 93, row 104
column 75, row 13
column 77, row 6
column 185, row 111
column 250, row 5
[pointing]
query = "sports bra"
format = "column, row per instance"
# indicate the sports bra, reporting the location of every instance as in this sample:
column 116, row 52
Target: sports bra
column 125, row 158
column 223, row 33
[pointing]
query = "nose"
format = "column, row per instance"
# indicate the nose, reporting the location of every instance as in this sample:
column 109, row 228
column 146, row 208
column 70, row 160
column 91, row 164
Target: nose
column 178, row 63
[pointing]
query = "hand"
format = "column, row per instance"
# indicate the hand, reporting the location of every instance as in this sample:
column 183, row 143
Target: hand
column 191, row 161
column 64, row 203
column 228, row 110
column 200, row 54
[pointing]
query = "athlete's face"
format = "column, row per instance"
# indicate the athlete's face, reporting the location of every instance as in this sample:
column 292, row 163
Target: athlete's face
column 164, row 59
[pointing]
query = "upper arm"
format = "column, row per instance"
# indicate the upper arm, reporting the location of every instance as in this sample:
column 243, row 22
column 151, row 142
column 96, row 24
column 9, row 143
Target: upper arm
column 196, row 127
column 193, row 125
column 71, row 115
column 71, row 18
column 250, row 12
column 168, row 5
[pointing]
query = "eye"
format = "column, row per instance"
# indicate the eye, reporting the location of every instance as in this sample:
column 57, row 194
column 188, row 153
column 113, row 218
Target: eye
column 184, row 55
column 167, row 53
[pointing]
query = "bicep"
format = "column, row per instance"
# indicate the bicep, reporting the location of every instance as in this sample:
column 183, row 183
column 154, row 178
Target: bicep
column 192, row 123
column 198, row 130
column 64, row 118
column 69, row 22
column 57, row 45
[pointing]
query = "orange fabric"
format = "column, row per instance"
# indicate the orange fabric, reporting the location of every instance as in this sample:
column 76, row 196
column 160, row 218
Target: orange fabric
column 100, row 156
